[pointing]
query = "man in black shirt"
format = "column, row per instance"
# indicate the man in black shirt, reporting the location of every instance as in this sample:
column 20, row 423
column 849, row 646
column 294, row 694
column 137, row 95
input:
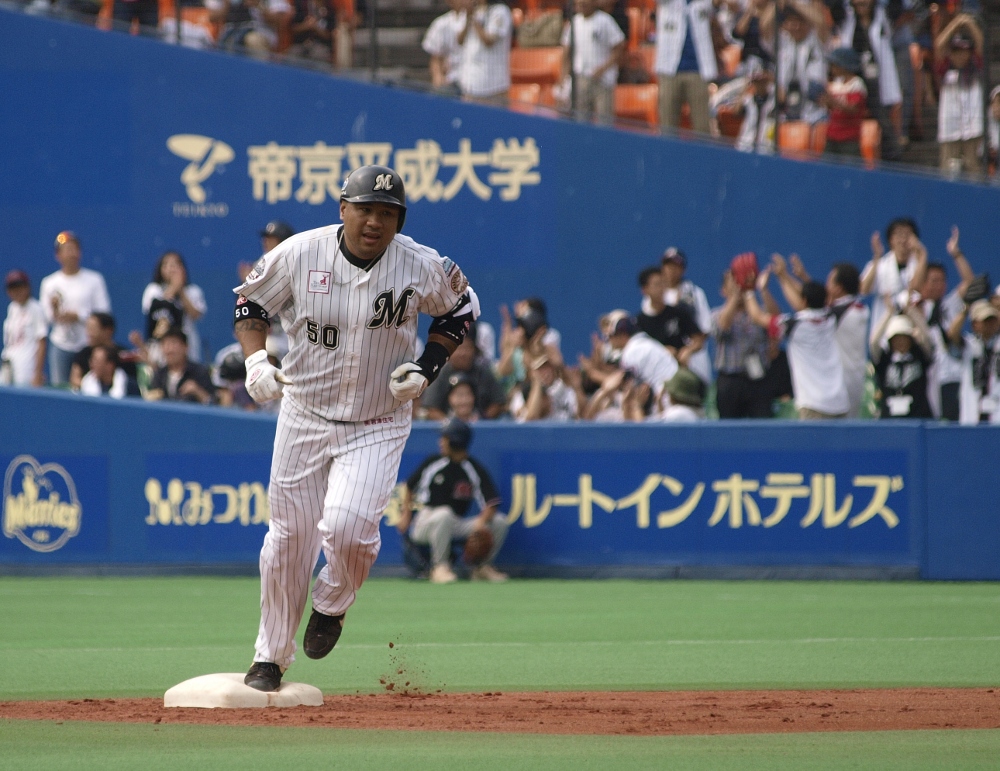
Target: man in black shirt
column 673, row 326
column 443, row 488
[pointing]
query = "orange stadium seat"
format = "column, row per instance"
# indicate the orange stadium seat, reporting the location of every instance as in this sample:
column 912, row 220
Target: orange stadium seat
column 871, row 141
column 794, row 139
column 536, row 65
column 818, row 141
column 638, row 101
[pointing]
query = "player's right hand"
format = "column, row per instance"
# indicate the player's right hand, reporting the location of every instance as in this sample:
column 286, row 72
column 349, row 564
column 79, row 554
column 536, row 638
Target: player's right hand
column 264, row 380
column 407, row 381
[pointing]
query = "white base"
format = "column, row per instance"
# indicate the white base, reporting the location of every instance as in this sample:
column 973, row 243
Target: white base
column 226, row 690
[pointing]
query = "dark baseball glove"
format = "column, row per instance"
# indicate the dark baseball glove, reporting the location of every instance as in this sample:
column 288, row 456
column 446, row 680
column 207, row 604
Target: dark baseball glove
column 477, row 547
column 744, row 270
column 979, row 289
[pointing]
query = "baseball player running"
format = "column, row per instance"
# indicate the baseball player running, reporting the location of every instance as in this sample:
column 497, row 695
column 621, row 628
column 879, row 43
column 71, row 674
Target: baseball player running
column 348, row 296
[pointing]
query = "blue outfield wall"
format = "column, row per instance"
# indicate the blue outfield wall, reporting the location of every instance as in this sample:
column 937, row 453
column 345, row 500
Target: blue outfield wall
column 90, row 483
column 140, row 146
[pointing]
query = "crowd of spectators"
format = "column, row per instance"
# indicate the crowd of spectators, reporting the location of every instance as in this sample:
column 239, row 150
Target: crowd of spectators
column 831, row 65
column 888, row 340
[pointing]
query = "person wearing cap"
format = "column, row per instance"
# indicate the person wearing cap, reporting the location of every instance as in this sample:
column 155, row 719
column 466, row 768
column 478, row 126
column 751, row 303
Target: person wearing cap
column 274, row 233
column 979, row 392
column 649, row 361
column 442, row 490
column 673, row 326
column 958, row 50
column 68, row 297
column 864, row 26
column 677, row 289
column 681, row 401
column 902, row 355
column 757, row 108
column 846, row 100
column 22, row 360
column 544, row 395
column 171, row 287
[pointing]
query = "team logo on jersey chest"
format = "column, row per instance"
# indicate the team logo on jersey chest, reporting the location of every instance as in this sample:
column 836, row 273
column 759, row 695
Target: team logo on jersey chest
column 319, row 282
column 388, row 312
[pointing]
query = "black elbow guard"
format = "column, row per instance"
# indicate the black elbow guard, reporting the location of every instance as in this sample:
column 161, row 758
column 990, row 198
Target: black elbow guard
column 248, row 309
column 453, row 325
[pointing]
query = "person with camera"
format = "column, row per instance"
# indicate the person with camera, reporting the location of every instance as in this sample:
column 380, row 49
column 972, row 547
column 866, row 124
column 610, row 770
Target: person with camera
column 801, row 69
column 523, row 341
column 902, row 355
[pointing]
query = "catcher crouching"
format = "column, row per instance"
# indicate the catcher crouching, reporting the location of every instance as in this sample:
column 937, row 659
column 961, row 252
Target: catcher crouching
column 442, row 491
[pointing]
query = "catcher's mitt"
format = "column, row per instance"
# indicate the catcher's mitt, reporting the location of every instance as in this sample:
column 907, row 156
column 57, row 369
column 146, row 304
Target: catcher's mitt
column 477, row 547
column 744, row 269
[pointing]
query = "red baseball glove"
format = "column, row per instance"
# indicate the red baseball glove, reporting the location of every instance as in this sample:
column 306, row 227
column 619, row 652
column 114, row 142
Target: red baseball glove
column 744, row 270
column 478, row 546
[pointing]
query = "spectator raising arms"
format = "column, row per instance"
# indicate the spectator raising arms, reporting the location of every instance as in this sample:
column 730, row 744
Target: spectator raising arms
column 901, row 353
column 895, row 274
column 958, row 49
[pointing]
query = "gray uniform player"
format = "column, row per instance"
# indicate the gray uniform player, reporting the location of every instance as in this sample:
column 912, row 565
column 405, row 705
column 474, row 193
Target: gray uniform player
column 348, row 296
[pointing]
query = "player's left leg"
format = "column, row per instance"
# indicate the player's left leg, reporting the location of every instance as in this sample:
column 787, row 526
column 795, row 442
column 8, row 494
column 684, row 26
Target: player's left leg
column 361, row 480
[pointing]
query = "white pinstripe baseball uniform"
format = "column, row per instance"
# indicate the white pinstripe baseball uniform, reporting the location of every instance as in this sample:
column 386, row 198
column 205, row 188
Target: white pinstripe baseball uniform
column 340, row 432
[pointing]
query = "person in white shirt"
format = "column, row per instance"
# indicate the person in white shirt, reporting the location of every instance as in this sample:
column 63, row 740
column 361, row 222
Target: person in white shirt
column 22, row 361
column 170, row 285
column 979, row 393
column 940, row 307
column 851, row 317
column 441, row 43
column 958, row 49
column 596, row 43
column 484, row 74
column 893, row 275
column 810, row 337
column 68, row 297
column 685, row 60
column 105, row 377
column 643, row 356
column 801, row 63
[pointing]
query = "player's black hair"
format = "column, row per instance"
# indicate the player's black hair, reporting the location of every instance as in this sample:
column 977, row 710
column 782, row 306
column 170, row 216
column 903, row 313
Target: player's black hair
column 814, row 293
column 646, row 273
column 105, row 320
column 847, row 278
column 937, row 266
column 901, row 222
column 158, row 270
column 175, row 332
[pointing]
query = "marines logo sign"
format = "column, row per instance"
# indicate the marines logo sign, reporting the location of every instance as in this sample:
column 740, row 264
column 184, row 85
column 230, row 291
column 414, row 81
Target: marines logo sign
column 41, row 508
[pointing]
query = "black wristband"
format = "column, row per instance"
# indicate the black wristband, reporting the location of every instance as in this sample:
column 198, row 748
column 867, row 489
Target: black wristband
column 248, row 309
column 432, row 359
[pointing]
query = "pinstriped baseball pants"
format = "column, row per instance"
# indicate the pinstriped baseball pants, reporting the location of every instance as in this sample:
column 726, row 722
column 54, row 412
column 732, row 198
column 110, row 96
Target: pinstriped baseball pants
column 330, row 483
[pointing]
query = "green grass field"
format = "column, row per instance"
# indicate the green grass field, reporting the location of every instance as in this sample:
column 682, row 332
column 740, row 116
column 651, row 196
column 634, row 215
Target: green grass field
column 127, row 637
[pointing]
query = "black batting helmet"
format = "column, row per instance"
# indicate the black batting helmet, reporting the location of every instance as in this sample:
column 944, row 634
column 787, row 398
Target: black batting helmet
column 375, row 184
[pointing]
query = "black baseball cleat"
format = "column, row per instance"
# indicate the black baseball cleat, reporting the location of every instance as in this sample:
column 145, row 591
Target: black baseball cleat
column 322, row 634
column 264, row 676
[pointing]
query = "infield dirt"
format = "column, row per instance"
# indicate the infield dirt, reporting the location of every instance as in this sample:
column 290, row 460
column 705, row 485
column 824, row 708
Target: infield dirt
column 640, row 713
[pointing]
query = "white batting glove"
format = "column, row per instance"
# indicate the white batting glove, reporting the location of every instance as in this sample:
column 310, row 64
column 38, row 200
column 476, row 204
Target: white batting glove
column 264, row 380
column 407, row 381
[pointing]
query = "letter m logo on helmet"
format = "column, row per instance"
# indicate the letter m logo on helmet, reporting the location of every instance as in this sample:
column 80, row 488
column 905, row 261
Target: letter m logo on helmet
column 383, row 182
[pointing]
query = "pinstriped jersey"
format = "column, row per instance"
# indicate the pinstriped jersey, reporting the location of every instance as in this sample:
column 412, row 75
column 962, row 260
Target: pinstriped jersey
column 349, row 328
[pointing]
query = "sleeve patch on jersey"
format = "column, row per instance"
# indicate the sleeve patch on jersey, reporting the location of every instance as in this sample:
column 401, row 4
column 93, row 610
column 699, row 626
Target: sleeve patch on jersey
column 449, row 266
column 459, row 283
column 319, row 282
column 255, row 272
